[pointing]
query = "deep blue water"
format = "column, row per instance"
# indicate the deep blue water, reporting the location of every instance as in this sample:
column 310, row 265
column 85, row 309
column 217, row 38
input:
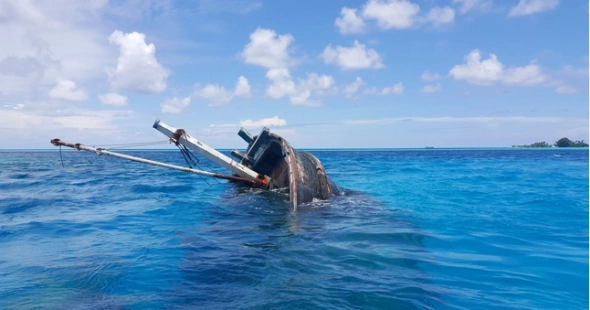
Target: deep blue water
column 416, row 229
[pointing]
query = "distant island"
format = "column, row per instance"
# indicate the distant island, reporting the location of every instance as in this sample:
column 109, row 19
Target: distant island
column 563, row 142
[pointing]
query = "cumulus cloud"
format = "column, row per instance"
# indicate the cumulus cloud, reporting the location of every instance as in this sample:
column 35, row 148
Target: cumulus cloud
column 113, row 99
column 431, row 88
column 217, row 95
column 271, row 51
column 265, row 122
column 528, row 7
column 476, row 71
column 355, row 57
column 526, row 76
column 350, row 22
column 351, row 89
column 268, row 49
column 175, row 105
column 281, row 83
column 491, row 70
column 396, row 14
column 137, row 67
column 391, row 14
column 319, row 83
column 242, row 87
column 396, row 89
column 427, row 76
column 299, row 93
column 214, row 94
column 67, row 90
column 42, row 42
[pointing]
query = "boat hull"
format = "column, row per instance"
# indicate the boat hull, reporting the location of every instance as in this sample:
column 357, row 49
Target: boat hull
column 299, row 171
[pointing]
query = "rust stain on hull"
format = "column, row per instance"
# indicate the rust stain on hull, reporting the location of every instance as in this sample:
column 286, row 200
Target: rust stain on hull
column 299, row 171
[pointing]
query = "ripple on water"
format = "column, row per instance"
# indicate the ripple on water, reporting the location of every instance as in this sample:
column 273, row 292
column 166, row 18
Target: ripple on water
column 435, row 229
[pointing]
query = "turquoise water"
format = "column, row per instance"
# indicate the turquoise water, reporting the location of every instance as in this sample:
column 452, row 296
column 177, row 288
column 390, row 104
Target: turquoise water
column 416, row 229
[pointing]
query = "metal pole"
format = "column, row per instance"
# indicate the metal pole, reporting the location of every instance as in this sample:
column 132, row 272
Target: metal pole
column 100, row 151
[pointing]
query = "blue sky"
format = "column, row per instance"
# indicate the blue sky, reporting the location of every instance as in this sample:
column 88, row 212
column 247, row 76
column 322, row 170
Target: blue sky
column 324, row 74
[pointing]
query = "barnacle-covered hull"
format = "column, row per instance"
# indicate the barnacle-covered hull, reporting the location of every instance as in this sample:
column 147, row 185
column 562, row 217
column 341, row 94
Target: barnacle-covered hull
column 299, row 171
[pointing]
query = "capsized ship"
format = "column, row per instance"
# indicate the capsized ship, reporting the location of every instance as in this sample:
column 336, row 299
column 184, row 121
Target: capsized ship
column 269, row 163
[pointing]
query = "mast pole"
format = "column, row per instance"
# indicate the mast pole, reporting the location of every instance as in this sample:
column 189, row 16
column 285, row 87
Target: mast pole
column 100, row 151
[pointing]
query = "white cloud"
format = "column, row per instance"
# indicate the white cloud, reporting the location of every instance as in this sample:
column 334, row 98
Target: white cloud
column 350, row 22
column 214, row 94
column 478, row 72
column 427, row 76
column 491, row 70
column 42, row 41
column 440, row 16
column 67, row 90
column 431, row 88
column 175, row 105
column 268, row 49
column 352, row 58
column 217, row 95
column 321, row 83
column 528, row 7
column 351, row 89
column 299, row 93
column 265, row 122
column 397, row 14
column 396, row 89
column 242, row 87
column 526, row 76
column 392, row 14
column 137, row 68
column 313, row 84
column 281, row 83
column 466, row 6
column 113, row 99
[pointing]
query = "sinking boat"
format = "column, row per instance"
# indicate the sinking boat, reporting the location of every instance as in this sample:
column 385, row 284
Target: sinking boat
column 269, row 163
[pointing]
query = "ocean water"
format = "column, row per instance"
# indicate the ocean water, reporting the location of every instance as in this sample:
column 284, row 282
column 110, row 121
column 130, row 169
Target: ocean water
column 414, row 229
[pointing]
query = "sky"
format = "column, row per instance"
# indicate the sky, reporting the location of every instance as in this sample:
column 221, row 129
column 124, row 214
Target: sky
column 323, row 74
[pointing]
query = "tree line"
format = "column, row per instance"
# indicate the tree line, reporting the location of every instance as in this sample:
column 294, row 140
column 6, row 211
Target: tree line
column 563, row 142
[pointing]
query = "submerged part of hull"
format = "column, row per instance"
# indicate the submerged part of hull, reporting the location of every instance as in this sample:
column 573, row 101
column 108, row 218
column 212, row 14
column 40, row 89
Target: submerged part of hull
column 299, row 171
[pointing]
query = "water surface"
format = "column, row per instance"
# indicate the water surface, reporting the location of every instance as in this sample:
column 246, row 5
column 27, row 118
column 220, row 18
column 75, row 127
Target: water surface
column 416, row 229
